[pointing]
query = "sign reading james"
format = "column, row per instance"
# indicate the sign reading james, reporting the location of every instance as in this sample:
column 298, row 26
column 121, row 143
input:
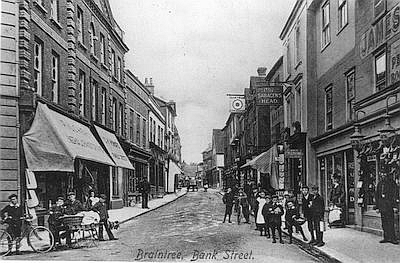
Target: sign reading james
column 387, row 27
column 269, row 95
column 394, row 63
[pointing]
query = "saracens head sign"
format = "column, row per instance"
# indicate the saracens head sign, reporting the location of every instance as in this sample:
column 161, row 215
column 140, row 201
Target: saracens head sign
column 269, row 95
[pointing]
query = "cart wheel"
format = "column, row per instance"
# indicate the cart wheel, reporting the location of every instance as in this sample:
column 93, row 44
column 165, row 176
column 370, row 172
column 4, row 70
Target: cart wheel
column 5, row 243
column 41, row 239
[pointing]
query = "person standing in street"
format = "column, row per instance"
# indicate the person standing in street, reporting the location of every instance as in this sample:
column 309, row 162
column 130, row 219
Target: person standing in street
column 317, row 211
column 291, row 216
column 11, row 215
column 243, row 207
column 101, row 209
column 275, row 212
column 386, row 196
column 228, row 200
column 306, row 207
column 56, row 211
column 144, row 189
column 267, row 216
column 260, row 220
column 336, row 199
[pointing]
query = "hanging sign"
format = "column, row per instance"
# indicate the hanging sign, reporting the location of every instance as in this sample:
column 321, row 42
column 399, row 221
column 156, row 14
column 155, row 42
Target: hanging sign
column 269, row 95
column 294, row 153
column 236, row 103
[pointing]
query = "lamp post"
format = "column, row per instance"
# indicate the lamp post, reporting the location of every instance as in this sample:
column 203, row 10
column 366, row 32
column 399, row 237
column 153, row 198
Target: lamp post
column 356, row 137
column 387, row 131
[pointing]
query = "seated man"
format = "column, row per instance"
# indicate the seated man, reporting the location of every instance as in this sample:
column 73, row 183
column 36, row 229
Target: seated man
column 56, row 211
column 72, row 207
column 11, row 214
column 101, row 209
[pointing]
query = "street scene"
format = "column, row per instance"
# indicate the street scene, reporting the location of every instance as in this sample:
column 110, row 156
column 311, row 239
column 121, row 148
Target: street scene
column 200, row 131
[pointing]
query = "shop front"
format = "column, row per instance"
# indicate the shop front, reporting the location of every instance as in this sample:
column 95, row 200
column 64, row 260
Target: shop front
column 64, row 156
column 230, row 177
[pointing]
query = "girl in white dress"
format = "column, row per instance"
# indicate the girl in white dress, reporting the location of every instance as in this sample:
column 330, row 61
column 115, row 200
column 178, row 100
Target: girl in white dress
column 260, row 221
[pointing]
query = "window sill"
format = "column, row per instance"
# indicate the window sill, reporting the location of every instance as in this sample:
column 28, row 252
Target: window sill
column 40, row 7
column 56, row 23
column 82, row 45
column 324, row 47
column 341, row 29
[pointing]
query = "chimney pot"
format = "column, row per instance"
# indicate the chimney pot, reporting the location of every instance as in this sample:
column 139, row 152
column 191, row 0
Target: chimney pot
column 262, row 71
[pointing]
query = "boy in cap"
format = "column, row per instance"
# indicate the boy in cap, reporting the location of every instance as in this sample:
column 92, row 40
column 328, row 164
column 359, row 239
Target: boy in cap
column 56, row 211
column 275, row 212
column 11, row 214
column 73, row 206
column 228, row 200
column 101, row 209
column 317, row 210
column 292, row 213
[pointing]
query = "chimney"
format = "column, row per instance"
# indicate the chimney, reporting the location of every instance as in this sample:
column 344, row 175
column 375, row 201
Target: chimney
column 262, row 71
column 148, row 83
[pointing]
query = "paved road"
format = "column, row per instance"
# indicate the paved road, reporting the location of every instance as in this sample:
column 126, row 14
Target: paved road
column 188, row 227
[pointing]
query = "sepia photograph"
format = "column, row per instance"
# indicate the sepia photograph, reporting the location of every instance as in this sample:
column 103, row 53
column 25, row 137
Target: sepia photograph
column 200, row 131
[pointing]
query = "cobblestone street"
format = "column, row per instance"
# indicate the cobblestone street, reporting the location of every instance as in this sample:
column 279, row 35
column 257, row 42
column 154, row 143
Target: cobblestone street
column 192, row 223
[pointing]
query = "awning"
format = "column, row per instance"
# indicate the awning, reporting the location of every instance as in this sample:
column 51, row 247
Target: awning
column 174, row 169
column 114, row 148
column 54, row 141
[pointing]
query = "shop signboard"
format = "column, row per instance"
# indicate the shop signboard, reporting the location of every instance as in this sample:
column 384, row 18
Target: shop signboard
column 281, row 183
column 394, row 63
column 269, row 95
column 294, row 153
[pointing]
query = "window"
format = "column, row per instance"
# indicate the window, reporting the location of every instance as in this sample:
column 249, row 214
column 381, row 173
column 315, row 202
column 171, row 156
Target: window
column 326, row 38
column 92, row 36
column 138, row 129
column 114, row 114
column 37, row 67
column 79, row 25
column 54, row 77
column 112, row 62
column 131, row 123
column 94, row 100
column 54, row 10
column 162, row 138
column 350, row 95
column 342, row 12
column 82, row 90
column 102, row 49
column 380, row 70
column 329, row 108
column 144, row 133
column 118, row 71
column 379, row 8
column 154, row 131
column 297, row 45
column 151, row 130
column 103, row 106
column 115, row 190
column 121, row 119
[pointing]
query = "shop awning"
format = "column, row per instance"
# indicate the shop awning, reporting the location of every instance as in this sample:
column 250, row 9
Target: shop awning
column 261, row 162
column 174, row 169
column 54, row 141
column 114, row 148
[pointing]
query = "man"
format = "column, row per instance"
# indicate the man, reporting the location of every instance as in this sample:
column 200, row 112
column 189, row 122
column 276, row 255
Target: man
column 275, row 211
column 306, row 207
column 11, row 214
column 317, row 207
column 228, row 200
column 243, row 206
column 101, row 209
column 144, row 189
column 386, row 196
column 73, row 206
column 56, row 211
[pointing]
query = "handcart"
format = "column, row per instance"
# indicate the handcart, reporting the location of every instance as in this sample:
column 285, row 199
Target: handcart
column 82, row 235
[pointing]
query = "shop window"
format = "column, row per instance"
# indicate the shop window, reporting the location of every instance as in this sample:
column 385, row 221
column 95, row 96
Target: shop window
column 131, row 181
column 342, row 12
column 102, row 49
column 131, row 123
column 328, row 108
column 94, row 100
column 79, row 24
column 326, row 37
column 103, row 106
column 114, row 114
column 380, row 70
column 350, row 95
column 115, row 188
column 55, row 58
column 368, row 181
column 37, row 66
column 82, row 91
column 137, row 129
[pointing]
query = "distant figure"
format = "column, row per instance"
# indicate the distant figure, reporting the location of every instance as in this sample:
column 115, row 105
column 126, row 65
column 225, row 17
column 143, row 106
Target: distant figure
column 101, row 209
column 92, row 200
column 228, row 200
column 144, row 189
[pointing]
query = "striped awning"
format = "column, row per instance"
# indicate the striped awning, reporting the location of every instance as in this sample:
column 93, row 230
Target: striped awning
column 262, row 162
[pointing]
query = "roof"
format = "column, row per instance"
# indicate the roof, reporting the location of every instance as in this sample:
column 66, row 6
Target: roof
column 289, row 21
column 274, row 68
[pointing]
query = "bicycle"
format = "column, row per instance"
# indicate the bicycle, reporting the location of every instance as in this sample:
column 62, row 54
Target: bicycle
column 39, row 238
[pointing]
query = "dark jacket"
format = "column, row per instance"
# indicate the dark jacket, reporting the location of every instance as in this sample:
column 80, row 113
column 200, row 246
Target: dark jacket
column 101, row 208
column 306, row 206
column 291, row 214
column 318, row 207
column 144, row 187
column 275, row 218
column 386, row 195
column 228, row 199
column 337, row 195
column 13, row 213
column 242, row 200
column 266, row 212
column 55, row 213
column 73, row 208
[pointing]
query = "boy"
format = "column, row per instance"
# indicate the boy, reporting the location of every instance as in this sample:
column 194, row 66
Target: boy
column 292, row 213
column 275, row 212
column 56, row 211
column 228, row 200
column 101, row 209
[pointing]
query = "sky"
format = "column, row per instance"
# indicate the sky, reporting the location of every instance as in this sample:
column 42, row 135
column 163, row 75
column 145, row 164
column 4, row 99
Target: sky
column 197, row 51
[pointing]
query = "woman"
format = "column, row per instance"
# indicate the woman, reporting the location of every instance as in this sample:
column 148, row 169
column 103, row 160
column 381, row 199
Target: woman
column 92, row 200
column 336, row 200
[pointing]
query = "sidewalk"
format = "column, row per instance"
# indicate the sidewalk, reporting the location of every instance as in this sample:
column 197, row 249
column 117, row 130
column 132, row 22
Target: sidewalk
column 128, row 213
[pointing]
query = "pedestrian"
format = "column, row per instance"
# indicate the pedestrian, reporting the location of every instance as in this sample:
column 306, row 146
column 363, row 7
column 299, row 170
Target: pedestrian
column 386, row 196
column 267, row 216
column 306, row 207
column 56, row 212
column 336, row 200
column 144, row 189
column 11, row 215
column 228, row 200
column 286, row 197
column 92, row 200
column 291, row 218
column 243, row 207
column 317, row 207
column 260, row 220
column 73, row 206
column 275, row 211
column 101, row 209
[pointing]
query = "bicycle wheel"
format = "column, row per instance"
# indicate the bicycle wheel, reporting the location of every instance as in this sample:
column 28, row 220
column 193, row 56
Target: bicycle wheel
column 5, row 243
column 41, row 239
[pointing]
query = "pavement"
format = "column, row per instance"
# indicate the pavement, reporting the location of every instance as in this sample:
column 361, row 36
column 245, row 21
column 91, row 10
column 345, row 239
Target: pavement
column 350, row 245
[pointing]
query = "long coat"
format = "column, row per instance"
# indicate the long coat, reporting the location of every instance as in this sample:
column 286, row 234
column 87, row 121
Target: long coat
column 318, row 207
column 386, row 195
column 306, row 206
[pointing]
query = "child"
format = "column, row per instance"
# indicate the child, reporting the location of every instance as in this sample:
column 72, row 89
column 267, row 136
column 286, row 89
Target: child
column 228, row 200
column 260, row 220
column 292, row 213
column 56, row 211
column 275, row 212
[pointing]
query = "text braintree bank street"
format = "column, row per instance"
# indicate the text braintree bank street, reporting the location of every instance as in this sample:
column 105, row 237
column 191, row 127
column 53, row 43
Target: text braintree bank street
column 196, row 255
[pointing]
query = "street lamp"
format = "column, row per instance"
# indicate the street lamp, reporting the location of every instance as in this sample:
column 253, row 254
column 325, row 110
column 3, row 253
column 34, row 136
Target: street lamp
column 387, row 131
column 356, row 137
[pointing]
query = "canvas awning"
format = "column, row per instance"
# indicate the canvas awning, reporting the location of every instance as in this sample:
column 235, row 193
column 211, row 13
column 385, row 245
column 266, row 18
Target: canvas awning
column 54, row 141
column 174, row 169
column 114, row 148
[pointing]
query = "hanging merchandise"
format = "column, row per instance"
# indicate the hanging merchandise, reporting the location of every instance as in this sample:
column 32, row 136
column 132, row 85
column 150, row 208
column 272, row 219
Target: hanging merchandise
column 31, row 199
column 30, row 179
